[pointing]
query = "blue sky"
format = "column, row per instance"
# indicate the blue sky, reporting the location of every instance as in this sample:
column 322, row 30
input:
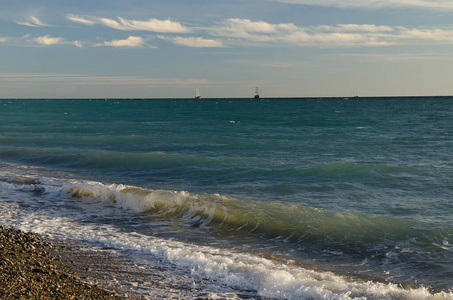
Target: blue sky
column 225, row 48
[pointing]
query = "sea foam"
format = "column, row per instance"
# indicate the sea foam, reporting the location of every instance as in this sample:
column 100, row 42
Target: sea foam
column 227, row 268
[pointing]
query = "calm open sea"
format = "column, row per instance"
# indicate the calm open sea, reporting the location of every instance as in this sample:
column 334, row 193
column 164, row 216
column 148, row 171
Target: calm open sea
column 272, row 198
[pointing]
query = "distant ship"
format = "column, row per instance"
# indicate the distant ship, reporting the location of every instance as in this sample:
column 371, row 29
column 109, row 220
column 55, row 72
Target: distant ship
column 257, row 93
column 197, row 94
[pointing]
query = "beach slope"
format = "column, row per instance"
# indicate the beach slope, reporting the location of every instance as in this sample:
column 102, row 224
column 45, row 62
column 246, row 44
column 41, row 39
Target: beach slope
column 29, row 271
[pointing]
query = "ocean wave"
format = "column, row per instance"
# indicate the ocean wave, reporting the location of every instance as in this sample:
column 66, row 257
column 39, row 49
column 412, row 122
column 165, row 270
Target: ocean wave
column 352, row 170
column 284, row 221
column 108, row 159
column 231, row 270
column 98, row 158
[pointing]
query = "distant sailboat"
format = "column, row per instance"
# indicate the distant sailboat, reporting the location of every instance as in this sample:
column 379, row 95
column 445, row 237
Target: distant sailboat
column 197, row 94
column 257, row 93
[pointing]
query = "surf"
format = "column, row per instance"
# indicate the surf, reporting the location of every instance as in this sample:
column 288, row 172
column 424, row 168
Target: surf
column 237, row 271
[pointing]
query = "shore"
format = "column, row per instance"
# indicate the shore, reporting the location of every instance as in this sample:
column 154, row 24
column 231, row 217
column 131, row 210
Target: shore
column 28, row 270
column 34, row 267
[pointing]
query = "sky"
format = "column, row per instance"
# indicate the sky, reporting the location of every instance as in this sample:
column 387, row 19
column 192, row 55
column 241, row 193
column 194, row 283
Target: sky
column 225, row 48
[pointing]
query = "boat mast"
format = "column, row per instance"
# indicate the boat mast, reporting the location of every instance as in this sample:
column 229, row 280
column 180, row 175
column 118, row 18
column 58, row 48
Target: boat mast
column 257, row 93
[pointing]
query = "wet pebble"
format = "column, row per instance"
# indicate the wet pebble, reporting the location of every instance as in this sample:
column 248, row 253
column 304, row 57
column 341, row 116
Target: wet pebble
column 28, row 271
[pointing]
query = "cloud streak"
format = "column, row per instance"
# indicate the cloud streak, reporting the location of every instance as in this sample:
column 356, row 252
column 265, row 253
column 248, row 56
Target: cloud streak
column 235, row 32
column 436, row 34
column 194, row 42
column 91, row 80
column 47, row 40
column 33, row 22
column 341, row 35
column 153, row 25
column 252, row 30
column 375, row 4
column 130, row 42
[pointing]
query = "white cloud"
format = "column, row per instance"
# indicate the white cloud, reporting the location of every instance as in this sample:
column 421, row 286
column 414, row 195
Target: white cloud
column 78, row 44
column 195, row 42
column 336, row 40
column 342, row 35
column 436, row 34
column 256, row 30
column 376, row 4
column 47, row 40
column 355, row 28
column 240, row 31
column 80, row 20
column 130, row 42
column 154, row 25
column 397, row 57
column 33, row 22
column 257, row 26
column 245, row 32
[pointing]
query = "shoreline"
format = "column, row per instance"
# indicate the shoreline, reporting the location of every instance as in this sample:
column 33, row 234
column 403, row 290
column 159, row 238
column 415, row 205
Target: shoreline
column 28, row 270
column 115, row 272
column 37, row 267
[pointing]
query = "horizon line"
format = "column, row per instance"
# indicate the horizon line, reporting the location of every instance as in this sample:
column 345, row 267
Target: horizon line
column 225, row 98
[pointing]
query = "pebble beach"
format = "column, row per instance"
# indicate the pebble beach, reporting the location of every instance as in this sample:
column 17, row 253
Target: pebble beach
column 28, row 270
column 36, row 267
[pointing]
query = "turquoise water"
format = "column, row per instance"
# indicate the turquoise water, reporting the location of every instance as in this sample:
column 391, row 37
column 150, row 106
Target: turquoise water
column 360, row 188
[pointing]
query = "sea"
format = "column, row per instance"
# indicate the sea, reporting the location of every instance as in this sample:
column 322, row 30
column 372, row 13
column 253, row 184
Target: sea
column 282, row 198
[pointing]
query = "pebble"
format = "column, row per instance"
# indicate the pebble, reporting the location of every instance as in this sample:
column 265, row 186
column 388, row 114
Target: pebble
column 28, row 271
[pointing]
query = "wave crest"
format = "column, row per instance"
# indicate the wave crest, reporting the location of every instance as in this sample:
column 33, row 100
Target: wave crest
column 271, row 219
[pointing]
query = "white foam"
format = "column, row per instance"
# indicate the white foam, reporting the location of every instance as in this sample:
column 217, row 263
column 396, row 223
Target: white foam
column 237, row 270
column 224, row 268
